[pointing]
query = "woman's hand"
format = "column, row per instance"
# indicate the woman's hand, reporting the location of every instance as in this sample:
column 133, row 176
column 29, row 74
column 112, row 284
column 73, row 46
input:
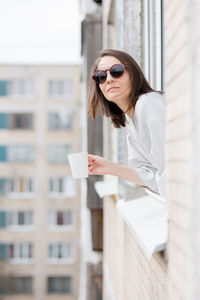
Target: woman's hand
column 98, row 165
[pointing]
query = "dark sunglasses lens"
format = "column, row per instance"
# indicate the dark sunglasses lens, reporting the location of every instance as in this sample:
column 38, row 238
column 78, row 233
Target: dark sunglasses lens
column 117, row 71
column 100, row 77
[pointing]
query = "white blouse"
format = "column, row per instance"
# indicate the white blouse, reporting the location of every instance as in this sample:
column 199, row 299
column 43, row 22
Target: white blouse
column 146, row 141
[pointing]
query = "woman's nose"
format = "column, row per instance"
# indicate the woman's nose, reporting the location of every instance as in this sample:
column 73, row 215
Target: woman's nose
column 109, row 77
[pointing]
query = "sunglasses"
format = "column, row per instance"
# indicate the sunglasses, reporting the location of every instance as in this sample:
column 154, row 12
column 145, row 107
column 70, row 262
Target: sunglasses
column 116, row 71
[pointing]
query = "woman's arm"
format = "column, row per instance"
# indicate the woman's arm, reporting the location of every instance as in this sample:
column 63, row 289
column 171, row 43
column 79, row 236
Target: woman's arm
column 100, row 166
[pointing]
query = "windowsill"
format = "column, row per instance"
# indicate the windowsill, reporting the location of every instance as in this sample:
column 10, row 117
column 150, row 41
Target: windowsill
column 21, row 228
column 60, row 261
column 60, row 196
column 147, row 218
column 21, row 195
column 21, row 261
column 61, row 228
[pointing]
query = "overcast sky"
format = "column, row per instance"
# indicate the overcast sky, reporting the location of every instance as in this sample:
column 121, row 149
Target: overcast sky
column 39, row 31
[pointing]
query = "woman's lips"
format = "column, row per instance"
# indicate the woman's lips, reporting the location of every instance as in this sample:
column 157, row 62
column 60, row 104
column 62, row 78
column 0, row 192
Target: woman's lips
column 112, row 88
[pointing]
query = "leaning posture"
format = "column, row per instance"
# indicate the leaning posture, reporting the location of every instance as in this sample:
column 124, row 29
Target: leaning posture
column 118, row 90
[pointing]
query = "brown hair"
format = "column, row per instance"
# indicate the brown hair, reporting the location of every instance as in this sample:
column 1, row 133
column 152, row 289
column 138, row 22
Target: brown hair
column 97, row 103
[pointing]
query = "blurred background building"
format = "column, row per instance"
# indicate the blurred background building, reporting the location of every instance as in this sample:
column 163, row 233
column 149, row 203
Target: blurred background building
column 111, row 239
column 39, row 200
column 150, row 245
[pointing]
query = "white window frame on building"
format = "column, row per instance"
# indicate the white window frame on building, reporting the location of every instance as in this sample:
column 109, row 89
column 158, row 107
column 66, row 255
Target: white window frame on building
column 20, row 187
column 21, row 153
column 61, row 88
column 146, row 212
column 20, row 253
column 58, row 153
column 61, row 120
column 61, row 187
column 153, row 43
column 20, row 88
column 59, row 252
column 54, row 218
column 20, row 220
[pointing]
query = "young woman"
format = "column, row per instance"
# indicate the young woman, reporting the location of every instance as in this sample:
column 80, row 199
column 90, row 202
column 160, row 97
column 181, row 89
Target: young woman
column 119, row 91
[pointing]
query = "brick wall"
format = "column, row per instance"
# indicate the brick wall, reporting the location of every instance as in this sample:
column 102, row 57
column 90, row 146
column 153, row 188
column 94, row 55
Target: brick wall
column 128, row 275
column 181, row 76
column 127, row 272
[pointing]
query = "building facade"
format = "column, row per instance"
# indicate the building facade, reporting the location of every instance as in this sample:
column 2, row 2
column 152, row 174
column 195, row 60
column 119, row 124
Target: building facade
column 151, row 244
column 39, row 200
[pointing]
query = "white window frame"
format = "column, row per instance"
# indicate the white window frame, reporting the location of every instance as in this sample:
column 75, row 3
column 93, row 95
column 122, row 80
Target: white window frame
column 54, row 259
column 153, row 47
column 57, row 154
column 21, row 88
column 21, row 153
column 61, row 88
column 15, row 226
column 61, row 120
column 52, row 221
column 21, row 253
column 68, row 187
column 15, row 193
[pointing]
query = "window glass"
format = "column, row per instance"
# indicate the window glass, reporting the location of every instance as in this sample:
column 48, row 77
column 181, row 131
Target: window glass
column 61, row 120
column 58, row 153
column 61, row 88
column 60, row 285
column 20, row 87
column 21, row 153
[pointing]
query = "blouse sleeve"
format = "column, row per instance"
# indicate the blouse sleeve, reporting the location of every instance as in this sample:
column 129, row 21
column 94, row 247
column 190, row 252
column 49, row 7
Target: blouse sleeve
column 153, row 136
column 150, row 169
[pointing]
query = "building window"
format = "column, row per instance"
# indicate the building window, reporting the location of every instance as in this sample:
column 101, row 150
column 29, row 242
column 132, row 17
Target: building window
column 20, row 218
column 61, row 218
column 61, row 88
column 17, row 186
column 60, row 285
column 21, row 153
column 3, row 154
column 16, row 252
column 58, row 153
column 16, row 87
column 21, row 121
column 3, row 88
column 20, row 251
column 60, row 251
column 60, row 121
column 19, row 285
column 153, row 43
column 61, row 187
column 20, row 87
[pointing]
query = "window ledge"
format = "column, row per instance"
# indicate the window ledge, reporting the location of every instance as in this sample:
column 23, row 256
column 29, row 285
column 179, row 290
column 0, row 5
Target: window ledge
column 61, row 228
column 147, row 218
column 24, row 261
column 60, row 261
column 21, row 228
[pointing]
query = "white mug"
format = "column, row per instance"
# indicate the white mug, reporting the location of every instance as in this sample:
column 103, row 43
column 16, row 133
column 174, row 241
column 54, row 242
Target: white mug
column 79, row 164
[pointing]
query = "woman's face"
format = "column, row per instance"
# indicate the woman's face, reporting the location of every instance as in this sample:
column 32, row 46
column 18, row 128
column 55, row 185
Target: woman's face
column 116, row 90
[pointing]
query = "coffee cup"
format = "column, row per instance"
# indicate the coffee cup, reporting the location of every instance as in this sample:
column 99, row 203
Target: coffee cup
column 79, row 164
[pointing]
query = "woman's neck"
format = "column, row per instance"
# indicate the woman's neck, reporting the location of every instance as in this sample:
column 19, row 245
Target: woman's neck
column 130, row 113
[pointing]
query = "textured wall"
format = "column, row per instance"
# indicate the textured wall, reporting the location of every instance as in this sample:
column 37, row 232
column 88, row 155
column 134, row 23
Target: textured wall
column 128, row 274
column 183, row 131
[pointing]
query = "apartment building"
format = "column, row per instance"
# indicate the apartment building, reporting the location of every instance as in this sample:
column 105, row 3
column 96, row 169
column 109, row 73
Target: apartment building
column 39, row 199
column 151, row 244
